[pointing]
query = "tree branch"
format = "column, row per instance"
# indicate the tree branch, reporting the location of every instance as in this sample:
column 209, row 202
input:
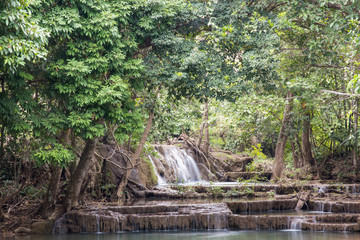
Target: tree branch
column 341, row 93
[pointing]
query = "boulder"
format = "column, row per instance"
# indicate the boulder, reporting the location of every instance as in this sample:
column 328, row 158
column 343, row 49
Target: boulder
column 42, row 227
column 23, row 230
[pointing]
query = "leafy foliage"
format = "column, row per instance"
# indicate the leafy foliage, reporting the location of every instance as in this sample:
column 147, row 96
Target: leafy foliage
column 98, row 67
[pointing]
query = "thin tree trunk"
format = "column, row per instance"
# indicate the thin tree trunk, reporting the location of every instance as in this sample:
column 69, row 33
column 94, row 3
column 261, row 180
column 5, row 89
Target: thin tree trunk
column 131, row 162
column 52, row 191
column 355, row 150
column 279, row 163
column 203, row 127
column 129, row 144
column 200, row 135
column 77, row 178
column 206, row 126
column 305, row 142
column 297, row 141
column 207, row 139
column 296, row 158
column 2, row 139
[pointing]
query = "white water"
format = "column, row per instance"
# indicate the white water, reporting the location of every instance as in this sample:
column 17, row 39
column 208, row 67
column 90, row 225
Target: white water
column 161, row 180
column 182, row 165
column 322, row 189
column 179, row 166
column 296, row 223
column 97, row 223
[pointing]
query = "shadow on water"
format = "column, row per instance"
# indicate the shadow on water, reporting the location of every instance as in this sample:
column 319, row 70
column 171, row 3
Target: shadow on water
column 213, row 235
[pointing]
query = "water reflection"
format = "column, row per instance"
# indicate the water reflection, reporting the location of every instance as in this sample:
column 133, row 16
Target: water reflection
column 213, row 235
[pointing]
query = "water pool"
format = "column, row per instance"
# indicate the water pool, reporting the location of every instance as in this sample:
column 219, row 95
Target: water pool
column 192, row 235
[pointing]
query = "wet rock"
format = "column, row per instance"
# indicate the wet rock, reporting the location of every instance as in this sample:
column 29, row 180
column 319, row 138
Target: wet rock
column 340, row 218
column 23, row 230
column 140, row 218
column 335, row 207
column 42, row 227
column 206, row 174
column 238, row 164
column 256, row 222
column 286, row 189
column 352, row 227
column 234, row 176
column 261, row 206
column 202, row 217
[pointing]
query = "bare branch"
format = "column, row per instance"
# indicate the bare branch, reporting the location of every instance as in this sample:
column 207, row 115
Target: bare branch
column 341, row 93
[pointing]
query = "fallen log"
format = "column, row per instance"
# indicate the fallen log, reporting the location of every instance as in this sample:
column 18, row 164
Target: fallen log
column 304, row 197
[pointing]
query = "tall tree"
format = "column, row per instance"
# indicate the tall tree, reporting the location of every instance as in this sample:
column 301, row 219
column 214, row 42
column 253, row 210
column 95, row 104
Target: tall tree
column 89, row 72
column 22, row 41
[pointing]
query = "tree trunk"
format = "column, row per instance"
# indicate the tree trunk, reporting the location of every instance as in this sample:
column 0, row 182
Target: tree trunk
column 355, row 150
column 204, row 124
column 53, row 188
column 131, row 162
column 77, row 178
column 279, row 163
column 2, row 140
column 200, row 135
column 2, row 137
column 305, row 142
column 207, row 139
column 206, row 128
column 52, row 191
column 296, row 158
column 298, row 144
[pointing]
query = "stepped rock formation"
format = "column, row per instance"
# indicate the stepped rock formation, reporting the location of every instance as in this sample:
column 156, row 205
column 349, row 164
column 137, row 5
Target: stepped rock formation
column 136, row 218
column 239, row 215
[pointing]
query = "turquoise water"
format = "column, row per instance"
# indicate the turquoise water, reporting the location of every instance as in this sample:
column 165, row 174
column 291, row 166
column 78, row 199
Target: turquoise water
column 198, row 235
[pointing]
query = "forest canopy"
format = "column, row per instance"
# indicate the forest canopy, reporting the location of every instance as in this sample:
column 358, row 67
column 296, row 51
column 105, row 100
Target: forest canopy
column 276, row 77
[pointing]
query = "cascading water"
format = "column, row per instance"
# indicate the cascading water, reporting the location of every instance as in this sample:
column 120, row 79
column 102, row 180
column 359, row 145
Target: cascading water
column 161, row 180
column 177, row 166
column 296, row 223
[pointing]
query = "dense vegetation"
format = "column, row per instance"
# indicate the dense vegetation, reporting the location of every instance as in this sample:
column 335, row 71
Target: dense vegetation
column 283, row 74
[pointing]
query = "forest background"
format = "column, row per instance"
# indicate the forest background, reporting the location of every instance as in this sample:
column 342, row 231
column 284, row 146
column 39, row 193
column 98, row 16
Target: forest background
column 276, row 78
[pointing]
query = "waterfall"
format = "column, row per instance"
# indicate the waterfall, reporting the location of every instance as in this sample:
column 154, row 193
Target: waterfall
column 175, row 165
column 98, row 230
column 161, row 180
column 296, row 223
column 322, row 189
column 59, row 226
column 319, row 206
column 182, row 164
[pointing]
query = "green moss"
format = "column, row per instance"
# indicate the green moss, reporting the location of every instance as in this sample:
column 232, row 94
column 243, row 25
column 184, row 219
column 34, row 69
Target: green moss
column 153, row 177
